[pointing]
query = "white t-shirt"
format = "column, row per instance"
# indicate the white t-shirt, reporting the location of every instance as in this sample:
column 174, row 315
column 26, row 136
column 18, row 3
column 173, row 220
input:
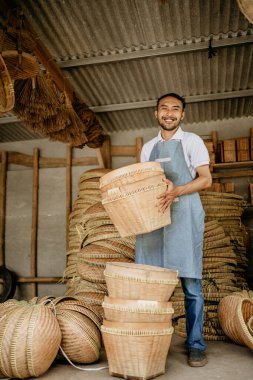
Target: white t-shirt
column 195, row 151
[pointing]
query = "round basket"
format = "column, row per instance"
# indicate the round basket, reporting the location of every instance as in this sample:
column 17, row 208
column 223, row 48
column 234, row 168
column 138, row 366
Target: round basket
column 7, row 96
column 234, row 312
column 137, row 281
column 20, row 65
column 129, row 349
column 29, row 341
column 130, row 174
column 81, row 340
column 121, row 310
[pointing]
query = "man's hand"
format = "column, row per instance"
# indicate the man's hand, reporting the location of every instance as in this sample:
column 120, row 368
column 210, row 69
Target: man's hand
column 167, row 198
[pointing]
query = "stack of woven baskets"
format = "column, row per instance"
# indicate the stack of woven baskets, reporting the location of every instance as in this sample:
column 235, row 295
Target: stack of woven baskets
column 34, row 332
column 138, row 319
column 93, row 241
column 224, row 260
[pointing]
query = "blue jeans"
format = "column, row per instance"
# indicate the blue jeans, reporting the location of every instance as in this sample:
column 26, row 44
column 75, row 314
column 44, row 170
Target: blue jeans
column 194, row 312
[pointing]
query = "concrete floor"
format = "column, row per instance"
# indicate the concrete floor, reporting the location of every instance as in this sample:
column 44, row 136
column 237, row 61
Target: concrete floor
column 226, row 361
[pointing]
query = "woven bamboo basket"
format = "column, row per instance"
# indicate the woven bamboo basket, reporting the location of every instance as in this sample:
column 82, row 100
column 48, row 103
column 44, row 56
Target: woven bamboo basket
column 246, row 8
column 250, row 325
column 122, row 310
column 20, row 65
column 80, row 336
column 7, row 96
column 234, row 312
column 129, row 174
column 129, row 350
column 29, row 341
column 137, row 281
column 133, row 207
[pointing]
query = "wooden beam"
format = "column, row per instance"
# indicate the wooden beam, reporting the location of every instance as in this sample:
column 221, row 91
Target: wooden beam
column 3, row 206
column 100, row 158
column 233, row 165
column 27, row 160
column 106, row 152
column 34, row 237
column 68, row 190
column 123, row 150
column 233, row 174
column 157, row 52
column 139, row 145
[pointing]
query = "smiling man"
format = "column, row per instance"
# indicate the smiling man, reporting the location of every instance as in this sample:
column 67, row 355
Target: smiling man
column 185, row 161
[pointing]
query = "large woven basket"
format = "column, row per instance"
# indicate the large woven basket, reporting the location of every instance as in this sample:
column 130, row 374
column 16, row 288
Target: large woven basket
column 121, row 310
column 136, row 353
column 137, row 281
column 29, row 340
column 129, row 195
column 234, row 313
column 129, row 174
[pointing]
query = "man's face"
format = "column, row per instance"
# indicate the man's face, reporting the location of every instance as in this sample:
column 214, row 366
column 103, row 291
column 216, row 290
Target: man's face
column 169, row 113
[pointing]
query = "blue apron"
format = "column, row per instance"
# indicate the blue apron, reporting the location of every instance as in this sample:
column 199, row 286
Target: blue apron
column 178, row 245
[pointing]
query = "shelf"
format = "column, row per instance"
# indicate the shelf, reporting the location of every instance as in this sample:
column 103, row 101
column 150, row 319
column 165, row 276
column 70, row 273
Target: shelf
column 232, row 173
column 233, row 165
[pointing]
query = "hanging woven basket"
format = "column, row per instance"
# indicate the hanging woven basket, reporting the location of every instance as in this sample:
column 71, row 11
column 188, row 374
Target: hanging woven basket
column 7, row 96
column 20, row 65
column 246, row 7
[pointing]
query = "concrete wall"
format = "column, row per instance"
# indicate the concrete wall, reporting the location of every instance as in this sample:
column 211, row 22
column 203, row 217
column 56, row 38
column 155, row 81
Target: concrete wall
column 52, row 200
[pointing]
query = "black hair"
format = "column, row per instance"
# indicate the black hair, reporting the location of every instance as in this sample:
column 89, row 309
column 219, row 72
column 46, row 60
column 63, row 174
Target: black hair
column 173, row 95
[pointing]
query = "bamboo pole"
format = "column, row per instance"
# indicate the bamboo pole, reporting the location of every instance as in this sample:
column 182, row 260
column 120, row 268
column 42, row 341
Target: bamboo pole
column 3, row 207
column 68, row 190
column 139, row 145
column 34, row 218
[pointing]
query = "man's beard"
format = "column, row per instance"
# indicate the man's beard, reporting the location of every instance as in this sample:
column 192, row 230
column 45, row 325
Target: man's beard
column 169, row 128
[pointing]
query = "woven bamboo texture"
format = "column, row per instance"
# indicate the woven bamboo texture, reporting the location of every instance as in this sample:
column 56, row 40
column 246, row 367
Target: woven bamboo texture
column 29, row 340
column 122, row 310
column 7, row 96
column 130, row 174
column 136, row 212
column 136, row 281
column 21, row 65
column 129, row 351
column 234, row 312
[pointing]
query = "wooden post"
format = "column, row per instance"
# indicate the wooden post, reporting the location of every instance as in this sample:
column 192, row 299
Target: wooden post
column 106, row 152
column 68, row 190
column 139, row 144
column 35, row 218
column 3, row 207
column 100, row 158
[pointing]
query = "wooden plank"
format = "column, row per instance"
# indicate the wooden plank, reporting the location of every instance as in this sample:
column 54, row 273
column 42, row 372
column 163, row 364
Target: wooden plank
column 139, row 145
column 233, row 174
column 3, row 206
column 123, row 150
column 106, row 152
column 27, row 160
column 35, row 219
column 68, row 190
column 100, row 158
column 41, row 280
column 233, row 165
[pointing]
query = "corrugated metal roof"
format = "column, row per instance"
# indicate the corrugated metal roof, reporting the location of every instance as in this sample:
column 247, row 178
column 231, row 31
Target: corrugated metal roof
column 129, row 52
